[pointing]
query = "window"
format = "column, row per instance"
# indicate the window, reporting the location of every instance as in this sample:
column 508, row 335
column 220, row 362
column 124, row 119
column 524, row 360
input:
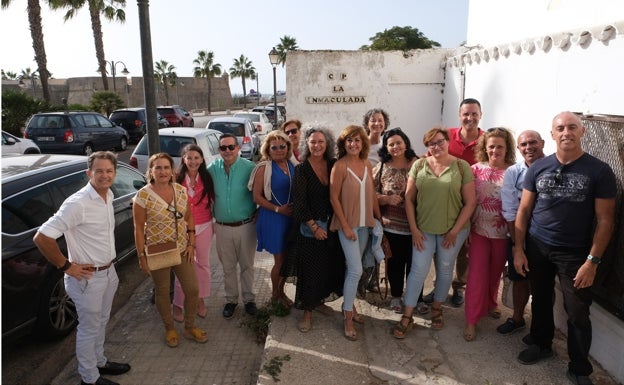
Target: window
column 102, row 121
column 27, row 210
column 126, row 182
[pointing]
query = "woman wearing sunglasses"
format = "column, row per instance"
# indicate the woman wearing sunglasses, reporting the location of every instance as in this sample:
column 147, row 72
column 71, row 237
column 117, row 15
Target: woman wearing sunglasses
column 271, row 183
column 488, row 244
column 162, row 213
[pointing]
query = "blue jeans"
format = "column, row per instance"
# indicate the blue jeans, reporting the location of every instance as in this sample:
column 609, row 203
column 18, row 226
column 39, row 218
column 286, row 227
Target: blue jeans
column 353, row 251
column 444, row 264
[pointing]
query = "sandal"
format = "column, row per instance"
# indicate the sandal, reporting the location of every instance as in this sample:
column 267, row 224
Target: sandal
column 357, row 317
column 470, row 333
column 422, row 308
column 171, row 338
column 395, row 305
column 349, row 334
column 196, row 334
column 286, row 301
column 495, row 313
column 437, row 320
column 400, row 331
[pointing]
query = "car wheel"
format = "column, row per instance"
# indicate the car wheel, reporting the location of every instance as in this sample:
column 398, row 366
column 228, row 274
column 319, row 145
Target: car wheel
column 88, row 149
column 57, row 315
column 123, row 144
column 192, row 123
column 180, row 124
column 32, row 151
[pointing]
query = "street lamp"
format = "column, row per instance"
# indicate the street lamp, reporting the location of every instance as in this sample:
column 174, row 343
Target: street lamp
column 274, row 58
column 113, row 65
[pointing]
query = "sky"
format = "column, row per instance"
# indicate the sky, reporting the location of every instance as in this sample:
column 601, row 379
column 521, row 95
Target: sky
column 181, row 28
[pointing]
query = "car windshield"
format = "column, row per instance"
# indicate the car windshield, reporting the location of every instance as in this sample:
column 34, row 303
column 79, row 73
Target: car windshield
column 237, row 129
column 166, row 111
column 47, row 121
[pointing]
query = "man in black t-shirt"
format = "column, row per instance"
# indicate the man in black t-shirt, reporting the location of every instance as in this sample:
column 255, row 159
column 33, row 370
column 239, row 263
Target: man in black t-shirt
column 563, row 196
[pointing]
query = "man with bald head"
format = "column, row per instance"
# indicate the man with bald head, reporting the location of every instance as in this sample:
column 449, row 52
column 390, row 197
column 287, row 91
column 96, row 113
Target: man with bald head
column 531, row 147
column 564, row 223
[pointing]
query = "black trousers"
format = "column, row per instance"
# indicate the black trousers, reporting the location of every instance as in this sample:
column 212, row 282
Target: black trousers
column 545, row 262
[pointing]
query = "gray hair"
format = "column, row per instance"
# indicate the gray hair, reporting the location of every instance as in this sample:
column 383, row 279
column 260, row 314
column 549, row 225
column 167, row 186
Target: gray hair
column 330, row 141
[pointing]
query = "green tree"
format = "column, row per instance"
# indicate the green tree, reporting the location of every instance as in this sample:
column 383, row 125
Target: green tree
column 206, row 68
column 36, row 33
column 17, row 108
column 9, row 75
column 110, row 9
column 164, row 73
column 399, row 39
column 286, row 44
column 243, row 68
column 105, row 102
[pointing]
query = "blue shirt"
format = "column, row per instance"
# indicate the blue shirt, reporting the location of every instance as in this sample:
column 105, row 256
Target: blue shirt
column 511, row 192
column 233, row 200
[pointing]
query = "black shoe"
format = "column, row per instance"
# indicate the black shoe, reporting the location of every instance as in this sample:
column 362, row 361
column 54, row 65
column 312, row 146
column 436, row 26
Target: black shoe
column 458, row 298
column 228, row 310
column 250, row 308
column 510, row 326
column 578, row 380
column 114, row 368
column 533, row 354
column 101, row 381
column 528, row 340
column 428, row 299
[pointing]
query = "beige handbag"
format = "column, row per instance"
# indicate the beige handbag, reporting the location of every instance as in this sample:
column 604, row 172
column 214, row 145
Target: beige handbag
column 167, row 254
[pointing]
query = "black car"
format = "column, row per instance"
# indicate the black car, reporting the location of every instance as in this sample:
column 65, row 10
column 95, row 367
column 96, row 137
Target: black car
column 134, row 120
column 75, row 133
column 33, row 188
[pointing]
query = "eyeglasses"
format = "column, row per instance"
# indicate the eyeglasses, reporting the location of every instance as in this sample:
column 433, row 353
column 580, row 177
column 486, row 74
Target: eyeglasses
column 281, row 147
column 438, row 143
column 230, row 147
column 558, row 175
column 175, row 212
column 292, row 131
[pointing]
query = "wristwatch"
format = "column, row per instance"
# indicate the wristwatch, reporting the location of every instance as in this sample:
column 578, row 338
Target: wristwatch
column 594, row 260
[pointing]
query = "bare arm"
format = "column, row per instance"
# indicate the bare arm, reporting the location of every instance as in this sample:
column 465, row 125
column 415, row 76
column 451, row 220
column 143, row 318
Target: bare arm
column 51, row 251
column 521, row 225
column 411, row 192
column 190, row 225
column 139, row 216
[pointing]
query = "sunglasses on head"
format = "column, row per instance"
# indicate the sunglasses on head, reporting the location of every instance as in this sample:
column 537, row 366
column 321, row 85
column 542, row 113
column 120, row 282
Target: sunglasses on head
column 280, row 147
column 558, row 175
column 230, row 147
column 496, row 128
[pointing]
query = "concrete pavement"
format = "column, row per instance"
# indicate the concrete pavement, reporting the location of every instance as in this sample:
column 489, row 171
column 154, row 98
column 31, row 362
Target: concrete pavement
column 323, row 355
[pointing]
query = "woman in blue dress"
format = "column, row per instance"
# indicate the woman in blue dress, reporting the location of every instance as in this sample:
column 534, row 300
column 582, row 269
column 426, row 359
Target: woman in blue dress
column 272, row 192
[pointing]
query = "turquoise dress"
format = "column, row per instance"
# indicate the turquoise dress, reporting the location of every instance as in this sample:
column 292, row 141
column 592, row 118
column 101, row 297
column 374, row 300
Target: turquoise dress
column 273, row 228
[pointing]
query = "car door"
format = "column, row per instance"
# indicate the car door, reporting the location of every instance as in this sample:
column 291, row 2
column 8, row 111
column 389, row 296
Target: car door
column 109, row 137
column 127, row 182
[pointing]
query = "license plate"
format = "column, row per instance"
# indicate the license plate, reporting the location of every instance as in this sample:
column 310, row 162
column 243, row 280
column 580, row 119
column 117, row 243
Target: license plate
column 46, row 139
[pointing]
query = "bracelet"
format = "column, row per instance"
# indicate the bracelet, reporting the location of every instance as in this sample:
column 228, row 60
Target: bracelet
column 65, row 266
column 277, row 209
column 190, row 231
column 142, row 255
column 190, row 244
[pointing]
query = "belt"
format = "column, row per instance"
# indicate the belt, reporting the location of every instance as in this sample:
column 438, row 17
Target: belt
column 93, row 268
column 236, row 224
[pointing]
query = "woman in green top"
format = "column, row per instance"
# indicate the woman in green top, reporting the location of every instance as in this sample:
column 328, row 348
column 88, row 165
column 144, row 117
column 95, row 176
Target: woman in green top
column 441, row 187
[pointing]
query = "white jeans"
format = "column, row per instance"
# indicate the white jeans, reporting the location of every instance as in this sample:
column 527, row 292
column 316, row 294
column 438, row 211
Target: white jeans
column 93, row 299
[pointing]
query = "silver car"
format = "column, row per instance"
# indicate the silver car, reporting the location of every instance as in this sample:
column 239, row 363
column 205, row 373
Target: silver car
column 243, row 129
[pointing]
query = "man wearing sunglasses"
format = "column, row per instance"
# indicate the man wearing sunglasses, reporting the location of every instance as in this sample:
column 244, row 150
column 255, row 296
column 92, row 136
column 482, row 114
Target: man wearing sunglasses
column 564, row 223
column 462, row 142
column 235, row 230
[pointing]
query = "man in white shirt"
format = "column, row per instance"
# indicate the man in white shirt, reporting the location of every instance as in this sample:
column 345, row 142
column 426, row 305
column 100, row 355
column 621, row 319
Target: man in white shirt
column 87, row 220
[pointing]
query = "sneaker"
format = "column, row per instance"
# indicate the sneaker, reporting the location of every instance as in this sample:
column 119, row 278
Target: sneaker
column 458, row 298
column 510, row 326
column 428, row 299
column 422, row 308
column 250, row 308
column 533, row 354
column 228, row 310
column 578, row 380
column 528, row 340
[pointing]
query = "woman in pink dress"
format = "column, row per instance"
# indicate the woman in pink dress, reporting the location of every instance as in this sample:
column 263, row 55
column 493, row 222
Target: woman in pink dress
column 488, row 234
column 193, row 175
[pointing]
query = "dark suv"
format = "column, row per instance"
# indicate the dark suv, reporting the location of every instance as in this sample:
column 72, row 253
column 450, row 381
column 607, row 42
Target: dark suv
column 75, row 133
column 134, row 120
column 176, row 116
column 33, row 188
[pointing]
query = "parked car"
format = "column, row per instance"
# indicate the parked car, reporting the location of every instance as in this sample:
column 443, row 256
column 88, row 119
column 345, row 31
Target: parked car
column 281, row 107
column 33, row 189
column 13, row 145
column 176, row 116
column 134, row 120
column 75, row 133
column 173, row 139
column 260, row 120
column 269, row 112
column 243, row 129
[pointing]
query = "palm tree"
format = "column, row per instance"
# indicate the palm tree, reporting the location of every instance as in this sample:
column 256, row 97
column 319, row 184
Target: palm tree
column 165, row 74
column 110, row 9
column 9, row 75
column 286, row 44
column 243, row 68
column 206, row 67
column 36, row 33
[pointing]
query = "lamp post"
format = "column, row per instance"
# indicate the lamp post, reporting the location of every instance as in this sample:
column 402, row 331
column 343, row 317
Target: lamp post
column 113, row 65
column 274, row 58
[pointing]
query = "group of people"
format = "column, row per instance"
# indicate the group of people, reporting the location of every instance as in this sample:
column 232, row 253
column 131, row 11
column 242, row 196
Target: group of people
column 320, row 204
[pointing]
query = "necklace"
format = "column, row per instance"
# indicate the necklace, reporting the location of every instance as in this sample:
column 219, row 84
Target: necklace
column 289, row 187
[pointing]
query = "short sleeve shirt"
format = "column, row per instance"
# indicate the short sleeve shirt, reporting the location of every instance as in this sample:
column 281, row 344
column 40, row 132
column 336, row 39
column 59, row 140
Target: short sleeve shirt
column 458, row 149
column 233, row 200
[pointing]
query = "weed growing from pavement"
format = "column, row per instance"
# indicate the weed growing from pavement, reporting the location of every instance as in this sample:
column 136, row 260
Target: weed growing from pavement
column 259, row 323
column 274, row 367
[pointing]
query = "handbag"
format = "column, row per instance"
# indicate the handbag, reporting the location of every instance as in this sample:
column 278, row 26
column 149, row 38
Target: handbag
column 166, row 254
